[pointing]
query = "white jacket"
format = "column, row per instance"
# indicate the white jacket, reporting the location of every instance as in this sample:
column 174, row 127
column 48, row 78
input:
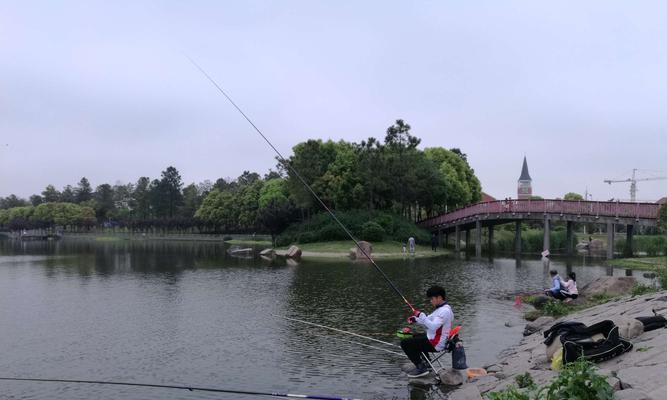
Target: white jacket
column 437, row 324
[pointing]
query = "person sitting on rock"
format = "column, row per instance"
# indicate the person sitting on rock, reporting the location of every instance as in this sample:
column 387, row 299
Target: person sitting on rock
column 554, row 291
column 569, row 287
column 437, row 324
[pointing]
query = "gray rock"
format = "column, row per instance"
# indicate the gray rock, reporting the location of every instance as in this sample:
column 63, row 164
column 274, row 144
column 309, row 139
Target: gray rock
column 428, row 380
column 293, row 252
column 466, row 392
column 368, row 248
column 493, row 368
column 267, row 253
column 485, row 382
column 609, row 285
column 537, row 325
column 650, row 379
column 628, row 328
column 451, row 377
column 631, row 394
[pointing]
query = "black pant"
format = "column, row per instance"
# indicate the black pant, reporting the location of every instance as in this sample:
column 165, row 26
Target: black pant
column 414, row 346
column 556, row 295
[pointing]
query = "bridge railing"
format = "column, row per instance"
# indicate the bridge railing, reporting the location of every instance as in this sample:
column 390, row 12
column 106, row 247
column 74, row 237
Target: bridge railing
column 546, row 206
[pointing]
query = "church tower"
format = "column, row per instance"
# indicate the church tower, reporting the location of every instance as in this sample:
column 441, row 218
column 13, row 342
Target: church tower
column 525, row 189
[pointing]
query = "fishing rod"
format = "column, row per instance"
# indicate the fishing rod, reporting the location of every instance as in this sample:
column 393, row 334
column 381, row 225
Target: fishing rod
column 337, row 330
column 189, row 388
column 361, row 344
column 298, row 175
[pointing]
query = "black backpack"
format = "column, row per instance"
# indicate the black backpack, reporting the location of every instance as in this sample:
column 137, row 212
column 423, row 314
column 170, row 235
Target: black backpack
column 581, row 343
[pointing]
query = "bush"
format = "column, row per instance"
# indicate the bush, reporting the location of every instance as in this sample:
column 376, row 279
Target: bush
column 640, row 289
column 663, row 278
column 372, row 232
column 555, row 308
column 579, row 381
column 511, row 393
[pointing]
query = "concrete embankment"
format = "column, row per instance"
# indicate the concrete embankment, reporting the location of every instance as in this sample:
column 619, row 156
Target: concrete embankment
column 641, row 373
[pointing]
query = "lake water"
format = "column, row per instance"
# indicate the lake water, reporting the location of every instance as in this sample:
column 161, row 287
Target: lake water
column 187, row 313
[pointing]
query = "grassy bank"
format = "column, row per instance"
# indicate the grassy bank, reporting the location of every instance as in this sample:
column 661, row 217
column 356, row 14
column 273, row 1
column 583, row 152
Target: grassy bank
column 642, row 263
column 341, row 248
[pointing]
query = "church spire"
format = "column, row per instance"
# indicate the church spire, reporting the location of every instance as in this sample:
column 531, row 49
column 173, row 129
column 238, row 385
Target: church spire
column 525, row 176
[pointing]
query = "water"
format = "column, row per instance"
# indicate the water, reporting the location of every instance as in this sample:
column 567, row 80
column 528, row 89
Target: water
column 187, row 313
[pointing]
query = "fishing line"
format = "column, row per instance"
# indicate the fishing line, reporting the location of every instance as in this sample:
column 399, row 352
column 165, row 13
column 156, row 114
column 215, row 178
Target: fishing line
column 190, row 388
column 360, row 344
column 296, row 173
column 337, row 330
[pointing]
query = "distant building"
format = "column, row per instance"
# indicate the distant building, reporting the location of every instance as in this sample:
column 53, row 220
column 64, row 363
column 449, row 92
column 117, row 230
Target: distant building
column 662, row 201
column 525, row 188
column 487, row 198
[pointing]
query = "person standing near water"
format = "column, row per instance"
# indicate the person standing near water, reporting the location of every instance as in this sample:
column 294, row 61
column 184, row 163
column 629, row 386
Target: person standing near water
column 434, row 242
column 411, row 245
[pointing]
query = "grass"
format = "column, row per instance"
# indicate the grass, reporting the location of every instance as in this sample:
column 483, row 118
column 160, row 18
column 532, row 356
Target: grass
column 383, row 249
column 642, row 263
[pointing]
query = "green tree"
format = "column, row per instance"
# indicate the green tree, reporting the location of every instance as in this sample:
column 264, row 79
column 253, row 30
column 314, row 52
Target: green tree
column 311, row 159
column 170, row 187
column 36, row 200
column 68, row 195
column 662, row 216
column 218, row 208
column 573, row 196
column 192, row 199
column 12, row 201
column 141, row 198
column 50, row 194
column 104, row 201
column 84, row 191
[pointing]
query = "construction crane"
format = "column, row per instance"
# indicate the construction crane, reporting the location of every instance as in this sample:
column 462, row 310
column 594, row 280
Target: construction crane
column 633, row 182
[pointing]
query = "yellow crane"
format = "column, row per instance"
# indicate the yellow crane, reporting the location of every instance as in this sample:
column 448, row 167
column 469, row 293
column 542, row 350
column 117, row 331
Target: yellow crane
column 633, row 182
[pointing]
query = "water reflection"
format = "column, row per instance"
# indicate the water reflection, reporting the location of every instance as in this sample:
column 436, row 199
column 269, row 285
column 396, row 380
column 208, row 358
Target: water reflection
column 190, row 313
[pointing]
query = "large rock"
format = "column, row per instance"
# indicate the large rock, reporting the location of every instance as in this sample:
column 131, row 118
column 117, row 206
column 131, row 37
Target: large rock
column 268, row 253
column 358, row 255
column 628, row 328
column 609, row 285
column 631, row 394
column 451, row 377
column 537, row 325
column 293, row 252
column 650, row 379
column 466, row 392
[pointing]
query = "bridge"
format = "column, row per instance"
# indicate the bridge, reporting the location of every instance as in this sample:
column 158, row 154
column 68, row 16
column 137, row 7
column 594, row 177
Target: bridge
column 489, row 214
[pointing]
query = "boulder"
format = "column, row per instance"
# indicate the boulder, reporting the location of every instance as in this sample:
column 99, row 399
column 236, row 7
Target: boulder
column 451, row 377
column 267, row 253
column 293, row 252
column 537, row 325
column 650, row 379
column 466, row 392
column 596, row 245
column 628, row 328
column 631, row 394
column 368, row 248
column 485, row 382
column 609, row 285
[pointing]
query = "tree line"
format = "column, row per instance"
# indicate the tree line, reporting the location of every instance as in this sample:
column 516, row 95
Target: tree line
column 392, row 175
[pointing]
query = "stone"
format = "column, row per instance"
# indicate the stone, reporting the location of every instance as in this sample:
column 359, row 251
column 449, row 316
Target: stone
column 267, row 253
column 368, row 249
column 293, row 252
column 428, row 380
column 609, row 285
column 628, row 328
column 407, row 366
column 451, row 377
column 537, row 325
column 631, row 394
column 485, row 382
column 466, row 392
column 492, row 369
column 650, row 379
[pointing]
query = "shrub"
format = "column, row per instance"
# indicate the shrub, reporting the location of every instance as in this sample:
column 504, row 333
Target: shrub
column 524, row 380
column 640, row 289
column 511, row 393
column 579, row 381
column 555, row 308
column 663, row 278
column 372, row 232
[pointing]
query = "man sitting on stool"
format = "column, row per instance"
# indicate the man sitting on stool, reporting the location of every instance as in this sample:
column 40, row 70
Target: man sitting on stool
column 437, row 324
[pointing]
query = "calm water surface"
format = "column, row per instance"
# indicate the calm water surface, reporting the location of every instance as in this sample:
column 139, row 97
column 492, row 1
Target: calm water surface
column 187, row 313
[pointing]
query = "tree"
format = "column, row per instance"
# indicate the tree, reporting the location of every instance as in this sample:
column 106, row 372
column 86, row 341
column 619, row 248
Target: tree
column 68, row 195
column 662, row 216
column 141, row 198
column 36, row 200
column 104, row 203
column 12, row 201
column 573, row 196
column 276, row 211
column 192, row 199
column 170, row 187
column 218, row 208
column 50, row 194
column 311, row 159
column 84, row 191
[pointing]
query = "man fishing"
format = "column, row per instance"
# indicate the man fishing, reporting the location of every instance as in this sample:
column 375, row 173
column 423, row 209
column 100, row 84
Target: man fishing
column 437, row 325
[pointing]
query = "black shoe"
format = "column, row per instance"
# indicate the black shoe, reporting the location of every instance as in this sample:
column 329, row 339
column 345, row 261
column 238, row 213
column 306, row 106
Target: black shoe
column 418, row 372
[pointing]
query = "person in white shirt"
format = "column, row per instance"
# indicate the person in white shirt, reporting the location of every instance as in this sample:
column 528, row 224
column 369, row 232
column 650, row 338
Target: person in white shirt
column 437, row 325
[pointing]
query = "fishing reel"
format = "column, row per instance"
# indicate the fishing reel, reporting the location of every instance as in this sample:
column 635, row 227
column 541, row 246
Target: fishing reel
column 405, row 333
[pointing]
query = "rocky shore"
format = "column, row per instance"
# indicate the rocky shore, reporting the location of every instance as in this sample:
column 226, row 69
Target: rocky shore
column 641, row 373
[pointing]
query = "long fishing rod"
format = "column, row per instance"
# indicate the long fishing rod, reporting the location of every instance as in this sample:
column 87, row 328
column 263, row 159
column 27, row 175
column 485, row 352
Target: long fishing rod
column 190, row 388
column 298, row 175
column 338, row 330
column 362, row 344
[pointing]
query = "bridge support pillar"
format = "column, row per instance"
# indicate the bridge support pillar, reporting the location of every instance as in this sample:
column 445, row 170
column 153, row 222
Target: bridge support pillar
column 611, row 227
column 490, row 240
column 439, row 241
column 478, row 238
column 467, row 240
column 457, row 239
column 570, row 238
column 517, row 237
column 546, row 233
column 446, row 240
column 630, row 230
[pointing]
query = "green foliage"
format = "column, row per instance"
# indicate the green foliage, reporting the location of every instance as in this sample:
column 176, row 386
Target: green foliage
column 372, row 231
column 555, row 308
column 579, row 381
column 321, row 227
column 532, row 240
column 651, row 245
column 524, row 380
column 663, row 277
column 573, row 196
column 640, row 289
column 662, row 217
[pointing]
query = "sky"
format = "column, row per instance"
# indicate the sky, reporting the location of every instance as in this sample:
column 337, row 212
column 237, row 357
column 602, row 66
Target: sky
column 105, row 89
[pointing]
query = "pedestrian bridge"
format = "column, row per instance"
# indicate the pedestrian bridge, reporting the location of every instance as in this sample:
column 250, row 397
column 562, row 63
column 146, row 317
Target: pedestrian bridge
column 492, row 213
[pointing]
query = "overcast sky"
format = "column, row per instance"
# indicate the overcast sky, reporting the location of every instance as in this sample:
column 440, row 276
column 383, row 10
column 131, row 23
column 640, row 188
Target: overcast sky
column 103, row 90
